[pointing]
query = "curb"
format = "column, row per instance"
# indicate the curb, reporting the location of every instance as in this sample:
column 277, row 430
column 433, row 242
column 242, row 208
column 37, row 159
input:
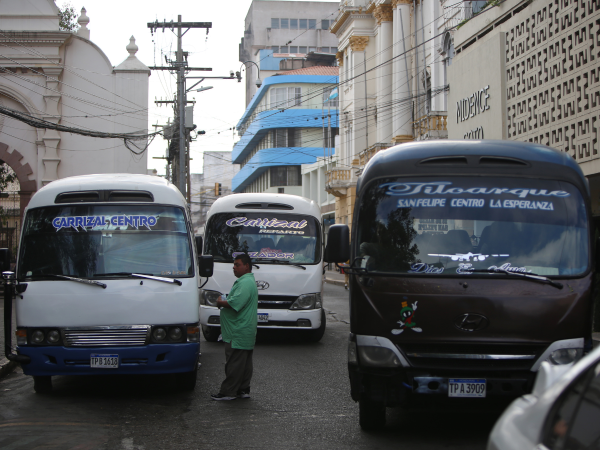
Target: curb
column 336, row 282
column 6, row 367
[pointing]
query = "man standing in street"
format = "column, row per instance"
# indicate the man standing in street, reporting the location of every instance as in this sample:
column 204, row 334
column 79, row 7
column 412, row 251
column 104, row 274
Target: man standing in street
column 238, row 329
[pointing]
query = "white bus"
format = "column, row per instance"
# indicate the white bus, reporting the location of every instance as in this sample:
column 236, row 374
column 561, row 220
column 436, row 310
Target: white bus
column 282, row 235
column 107, row 280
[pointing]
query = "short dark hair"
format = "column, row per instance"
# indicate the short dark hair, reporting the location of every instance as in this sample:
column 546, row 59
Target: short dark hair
column 245, row 259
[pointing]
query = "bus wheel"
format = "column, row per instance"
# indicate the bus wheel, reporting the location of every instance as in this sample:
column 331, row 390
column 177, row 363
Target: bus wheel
column 42, row 384
column 371, row 414
column 316, row 334
column 187, row 380
column 211, row 334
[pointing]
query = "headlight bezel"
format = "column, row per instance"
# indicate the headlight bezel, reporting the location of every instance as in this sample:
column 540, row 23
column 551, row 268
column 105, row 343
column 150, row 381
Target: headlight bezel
column 25, row 336
column 564, row 356
column 311, row 301
column 209, row 297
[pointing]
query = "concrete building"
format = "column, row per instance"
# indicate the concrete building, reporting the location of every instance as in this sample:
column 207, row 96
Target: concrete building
column 393, row 58
column 533, row 76
column 217, row 168
column 283, row 127
column 278, row 30
column 64, row 78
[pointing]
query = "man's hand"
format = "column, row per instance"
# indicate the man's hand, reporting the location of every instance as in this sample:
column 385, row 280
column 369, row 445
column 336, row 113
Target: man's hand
column 222, row 303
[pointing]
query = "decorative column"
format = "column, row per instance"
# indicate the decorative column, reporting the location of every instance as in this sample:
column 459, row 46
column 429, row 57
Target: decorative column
column 51, row 138
column 384, row 15
column 358, row 45
column 401, row 94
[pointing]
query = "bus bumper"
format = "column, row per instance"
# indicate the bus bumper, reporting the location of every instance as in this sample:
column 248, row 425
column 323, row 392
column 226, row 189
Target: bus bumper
column 309, row 319
column 147, row 359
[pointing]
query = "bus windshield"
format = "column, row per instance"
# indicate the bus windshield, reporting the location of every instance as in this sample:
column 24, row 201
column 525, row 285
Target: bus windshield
column 92, row 241
column 294, row 238
column 458, row 225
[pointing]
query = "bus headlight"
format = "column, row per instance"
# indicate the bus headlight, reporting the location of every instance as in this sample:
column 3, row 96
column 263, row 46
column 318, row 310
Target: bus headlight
column 37, row 337
column 175, row 334
column 209, row 298
column 159, row 334
column 565, row 356
column 378, row 357
column 53, row 336
column 307, row 301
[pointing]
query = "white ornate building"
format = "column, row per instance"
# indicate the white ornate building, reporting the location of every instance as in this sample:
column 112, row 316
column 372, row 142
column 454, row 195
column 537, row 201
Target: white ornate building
column 63, row 77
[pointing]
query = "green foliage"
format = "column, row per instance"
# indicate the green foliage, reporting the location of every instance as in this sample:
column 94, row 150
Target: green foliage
column 7, row 176
column 67, row 17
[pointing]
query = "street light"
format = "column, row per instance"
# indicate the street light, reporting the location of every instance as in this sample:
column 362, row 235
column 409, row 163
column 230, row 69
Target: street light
column 205, row 88
column 258, row 81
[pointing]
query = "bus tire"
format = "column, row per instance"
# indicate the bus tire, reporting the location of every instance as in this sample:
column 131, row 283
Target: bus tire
column 187, row 380
column 211, row 334
column 316, row 334
column 371, row 414
column 42, row 384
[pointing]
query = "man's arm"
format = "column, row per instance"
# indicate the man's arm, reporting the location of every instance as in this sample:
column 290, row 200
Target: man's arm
column 222, row 303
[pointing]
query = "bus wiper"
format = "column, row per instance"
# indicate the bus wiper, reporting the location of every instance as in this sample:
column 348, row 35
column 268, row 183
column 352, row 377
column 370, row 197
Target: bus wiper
column 141, row 275
column 531, row 276
column 279, row 261
column 79, row 280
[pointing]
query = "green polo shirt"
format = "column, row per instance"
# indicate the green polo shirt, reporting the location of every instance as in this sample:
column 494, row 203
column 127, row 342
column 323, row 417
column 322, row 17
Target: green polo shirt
column 238, row 323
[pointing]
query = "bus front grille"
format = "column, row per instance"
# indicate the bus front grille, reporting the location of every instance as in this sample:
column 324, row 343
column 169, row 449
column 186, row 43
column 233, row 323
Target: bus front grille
column 113, row 336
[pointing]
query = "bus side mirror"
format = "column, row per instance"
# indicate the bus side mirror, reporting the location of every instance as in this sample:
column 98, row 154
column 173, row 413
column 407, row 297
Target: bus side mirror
column 205, row 266
column 198, row 245
column 4, row 259
column 338, row 244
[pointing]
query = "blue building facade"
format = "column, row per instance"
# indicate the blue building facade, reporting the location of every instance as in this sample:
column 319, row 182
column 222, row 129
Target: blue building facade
column 289, row 122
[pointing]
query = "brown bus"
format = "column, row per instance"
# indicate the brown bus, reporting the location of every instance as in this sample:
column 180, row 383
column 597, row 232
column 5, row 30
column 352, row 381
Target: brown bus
column 470, row 265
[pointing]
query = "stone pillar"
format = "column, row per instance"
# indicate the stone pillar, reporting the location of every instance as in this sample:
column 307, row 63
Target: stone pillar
column 402, row 110
column 358, row 45
column 51, row 138
column 384, row 15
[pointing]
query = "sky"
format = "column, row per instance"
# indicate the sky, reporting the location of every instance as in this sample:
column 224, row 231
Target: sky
column 217, row 110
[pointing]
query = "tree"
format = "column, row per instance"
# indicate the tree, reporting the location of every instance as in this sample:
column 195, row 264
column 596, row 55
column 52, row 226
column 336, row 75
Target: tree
column 67, row 17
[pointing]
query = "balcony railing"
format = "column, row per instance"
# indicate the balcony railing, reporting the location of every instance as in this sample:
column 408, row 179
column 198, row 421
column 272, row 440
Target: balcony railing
column 431, row 126
column 338, row 180
column 366, row 155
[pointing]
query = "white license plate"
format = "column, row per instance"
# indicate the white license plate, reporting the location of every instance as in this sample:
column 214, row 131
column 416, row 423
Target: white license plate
column 460, row 387
column 263, row 317
column 104, row 361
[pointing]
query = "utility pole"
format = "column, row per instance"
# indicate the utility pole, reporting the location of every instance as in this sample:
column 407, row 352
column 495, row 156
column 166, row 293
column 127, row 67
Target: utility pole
column 180, row 178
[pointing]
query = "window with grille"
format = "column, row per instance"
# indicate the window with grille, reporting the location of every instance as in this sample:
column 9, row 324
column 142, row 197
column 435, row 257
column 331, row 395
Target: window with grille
column 303, row 24
column 286, row 176
column 275, row 48
column 301, row 49
column 285, row 23
column 324, row 24
column 274, row 24
column 293, row 24
column 284, row 49
column 285, row 97
column 293, row 49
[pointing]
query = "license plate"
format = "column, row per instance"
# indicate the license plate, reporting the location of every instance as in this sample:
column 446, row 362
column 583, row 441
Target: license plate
column 104, row 361
column 263, row 317
column 466, row 388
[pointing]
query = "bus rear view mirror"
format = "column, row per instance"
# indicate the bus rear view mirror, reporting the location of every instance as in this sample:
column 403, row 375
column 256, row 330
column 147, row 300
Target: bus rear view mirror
column 4, row 259
column 205, row 266
column 338, row 244
column 199, row 244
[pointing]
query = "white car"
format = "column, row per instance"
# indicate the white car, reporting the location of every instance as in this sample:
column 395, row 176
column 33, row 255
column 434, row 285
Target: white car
column 562, row 412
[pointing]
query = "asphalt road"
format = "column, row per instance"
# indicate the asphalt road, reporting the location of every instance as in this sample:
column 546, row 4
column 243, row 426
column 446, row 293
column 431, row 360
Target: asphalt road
column 300, row 399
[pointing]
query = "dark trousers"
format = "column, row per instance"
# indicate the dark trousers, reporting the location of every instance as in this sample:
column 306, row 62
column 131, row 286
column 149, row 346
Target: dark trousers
column 238, row 371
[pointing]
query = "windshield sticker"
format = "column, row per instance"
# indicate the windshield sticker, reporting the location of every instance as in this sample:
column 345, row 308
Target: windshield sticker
column 467, row 202
column 465, row 268
column 442, row 188
column 467, row 256
column 407, row 314
column 281, row 231
column 264, row 223
column 421, row 202
column 522, row 204
column 509, row 268
column 85, row 222
column 266, row 253
column 425, row 268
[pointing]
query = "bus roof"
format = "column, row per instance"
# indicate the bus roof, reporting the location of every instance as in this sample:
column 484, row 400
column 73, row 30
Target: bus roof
column 162, row 190
column 472, row 157
column 267, row 203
